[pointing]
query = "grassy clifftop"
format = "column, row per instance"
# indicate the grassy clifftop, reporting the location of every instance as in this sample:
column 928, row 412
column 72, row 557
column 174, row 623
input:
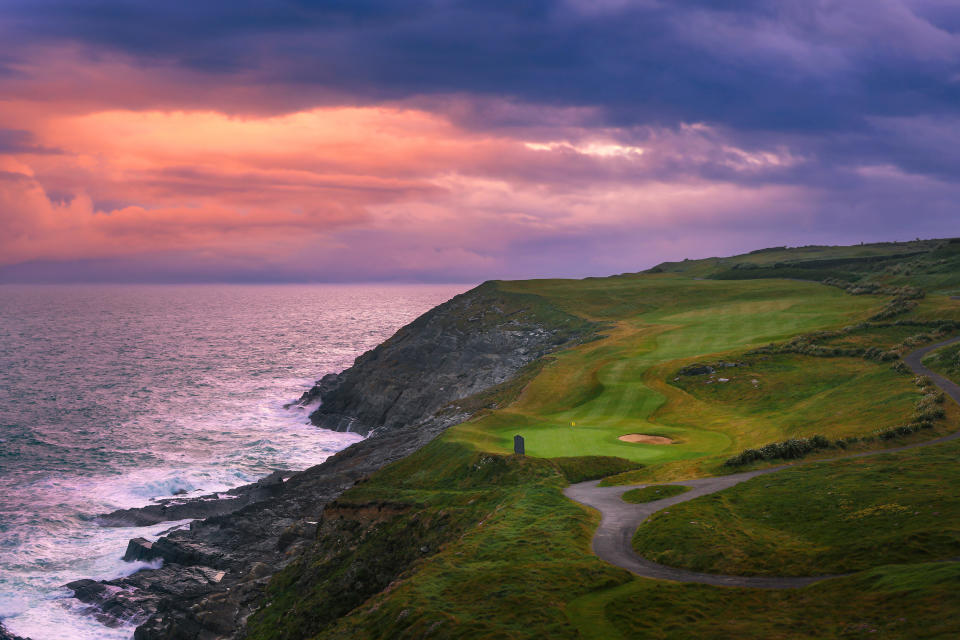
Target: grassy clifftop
column 464, row 540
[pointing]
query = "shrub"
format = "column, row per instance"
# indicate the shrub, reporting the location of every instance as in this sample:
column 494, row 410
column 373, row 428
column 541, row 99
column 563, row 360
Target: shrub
column 787, row 450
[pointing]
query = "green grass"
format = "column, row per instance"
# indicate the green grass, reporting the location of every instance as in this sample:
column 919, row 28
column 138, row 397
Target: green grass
column 945, row 361
column 588, row 396
column 834, row 517
column 464, row 540
column 516, row 552
column 888, row 603
column 582, row 468
column 933, row 265
column 805, row 395
column 653, row 493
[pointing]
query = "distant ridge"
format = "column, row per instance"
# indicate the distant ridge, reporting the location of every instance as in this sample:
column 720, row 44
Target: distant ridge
column 933, row 265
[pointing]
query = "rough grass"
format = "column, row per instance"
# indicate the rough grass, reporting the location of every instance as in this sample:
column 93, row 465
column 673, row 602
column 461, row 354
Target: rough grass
column 524, row 554
column 824, row 518
column 933, row 265
column 652, row 493
column 804, row 395
column 892, row 602
column 583, row 468
column 945, row 361
column 479, row 544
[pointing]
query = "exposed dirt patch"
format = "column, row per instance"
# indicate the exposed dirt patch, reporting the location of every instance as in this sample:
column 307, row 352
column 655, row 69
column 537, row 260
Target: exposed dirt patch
column 645, row 439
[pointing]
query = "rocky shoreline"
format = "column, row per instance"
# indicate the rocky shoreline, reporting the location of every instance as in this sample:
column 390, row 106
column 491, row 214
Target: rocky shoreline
column 402, row 395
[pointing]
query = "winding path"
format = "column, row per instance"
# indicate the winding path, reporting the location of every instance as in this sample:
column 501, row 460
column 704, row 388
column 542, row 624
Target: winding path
column 620, row 520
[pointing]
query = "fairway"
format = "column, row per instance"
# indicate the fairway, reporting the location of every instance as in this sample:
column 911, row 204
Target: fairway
column 590, row 395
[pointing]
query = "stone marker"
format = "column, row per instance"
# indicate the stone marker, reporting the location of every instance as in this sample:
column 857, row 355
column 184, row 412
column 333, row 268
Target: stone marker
column 518, row 445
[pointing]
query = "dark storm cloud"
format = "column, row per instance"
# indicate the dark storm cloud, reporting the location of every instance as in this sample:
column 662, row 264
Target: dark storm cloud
column 774, row 65
column 717, row 126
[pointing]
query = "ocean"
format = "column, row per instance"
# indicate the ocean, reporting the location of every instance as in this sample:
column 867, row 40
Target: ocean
column 113, row 395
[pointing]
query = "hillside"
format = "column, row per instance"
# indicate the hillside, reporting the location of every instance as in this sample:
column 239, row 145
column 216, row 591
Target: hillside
column 496, row 550
column 933, row 265
column 436, row 530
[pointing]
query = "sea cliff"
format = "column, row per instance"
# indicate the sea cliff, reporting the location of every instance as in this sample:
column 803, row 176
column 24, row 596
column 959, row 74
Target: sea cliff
column 426, row 378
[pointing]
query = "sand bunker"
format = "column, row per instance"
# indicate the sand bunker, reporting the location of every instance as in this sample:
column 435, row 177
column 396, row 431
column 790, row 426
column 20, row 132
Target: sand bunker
column 645, row 439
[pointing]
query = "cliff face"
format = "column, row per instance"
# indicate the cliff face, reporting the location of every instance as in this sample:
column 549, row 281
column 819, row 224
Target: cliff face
column 474, row 341
column 214, row 574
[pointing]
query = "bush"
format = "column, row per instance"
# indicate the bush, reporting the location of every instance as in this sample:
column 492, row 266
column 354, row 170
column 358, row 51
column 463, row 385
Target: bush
column 787, row 450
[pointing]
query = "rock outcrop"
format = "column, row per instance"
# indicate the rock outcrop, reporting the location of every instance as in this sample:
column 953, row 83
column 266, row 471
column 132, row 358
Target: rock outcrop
column 170, row 509
column 214, row 573
column 472, row 342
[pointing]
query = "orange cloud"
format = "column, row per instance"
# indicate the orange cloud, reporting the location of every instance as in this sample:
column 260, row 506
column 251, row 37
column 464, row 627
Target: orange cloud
column 265, row 188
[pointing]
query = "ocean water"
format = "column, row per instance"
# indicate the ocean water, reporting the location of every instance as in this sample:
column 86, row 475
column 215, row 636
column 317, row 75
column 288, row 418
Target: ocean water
column 111, row 396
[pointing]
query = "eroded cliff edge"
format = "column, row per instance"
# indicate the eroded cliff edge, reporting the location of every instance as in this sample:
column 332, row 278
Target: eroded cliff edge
column 462, row 347
column 430, row 375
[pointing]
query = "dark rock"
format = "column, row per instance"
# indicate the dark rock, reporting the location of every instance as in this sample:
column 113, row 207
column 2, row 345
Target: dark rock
column 453, row 351
column 323, row 386
column 700, row 369
column 696, row 370
column 518, row 447
column 275, row 479
column 139, row 549
column 180, row 492
column 170, row 509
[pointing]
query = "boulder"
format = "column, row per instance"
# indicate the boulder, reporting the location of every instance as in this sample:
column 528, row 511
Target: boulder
column 275, row 479
column 139, row 549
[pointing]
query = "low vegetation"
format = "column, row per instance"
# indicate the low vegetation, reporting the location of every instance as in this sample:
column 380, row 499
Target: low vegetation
column 822, row 518
column 945, row 361
column 930, row 265
column 787, row 450
column 652, row 493
column 582, row 468
column 927, row 410
column 456, row 542
column 891, row 602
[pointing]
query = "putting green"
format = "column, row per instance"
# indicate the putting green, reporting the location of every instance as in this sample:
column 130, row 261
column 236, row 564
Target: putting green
column 590, row 395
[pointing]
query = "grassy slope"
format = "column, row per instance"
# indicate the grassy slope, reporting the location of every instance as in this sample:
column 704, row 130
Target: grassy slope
column 834, row 517
column 497, row 551
column 945, row 361
column 604, row 388
column 512, row 558
column 933, row 265
column 893, row 602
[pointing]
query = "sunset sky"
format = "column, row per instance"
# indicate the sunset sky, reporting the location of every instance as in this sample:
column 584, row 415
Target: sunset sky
column 367, row 140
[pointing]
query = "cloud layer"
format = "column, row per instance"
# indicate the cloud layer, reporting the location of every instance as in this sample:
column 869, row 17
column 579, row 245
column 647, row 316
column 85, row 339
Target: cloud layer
column 465, row 140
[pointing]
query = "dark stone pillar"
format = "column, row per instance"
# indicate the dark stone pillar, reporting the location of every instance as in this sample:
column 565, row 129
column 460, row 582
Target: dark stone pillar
column 518, row 445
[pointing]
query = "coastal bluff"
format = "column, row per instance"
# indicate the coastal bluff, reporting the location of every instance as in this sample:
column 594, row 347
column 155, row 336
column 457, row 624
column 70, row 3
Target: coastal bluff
column 462, row 347
column 402, row 394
